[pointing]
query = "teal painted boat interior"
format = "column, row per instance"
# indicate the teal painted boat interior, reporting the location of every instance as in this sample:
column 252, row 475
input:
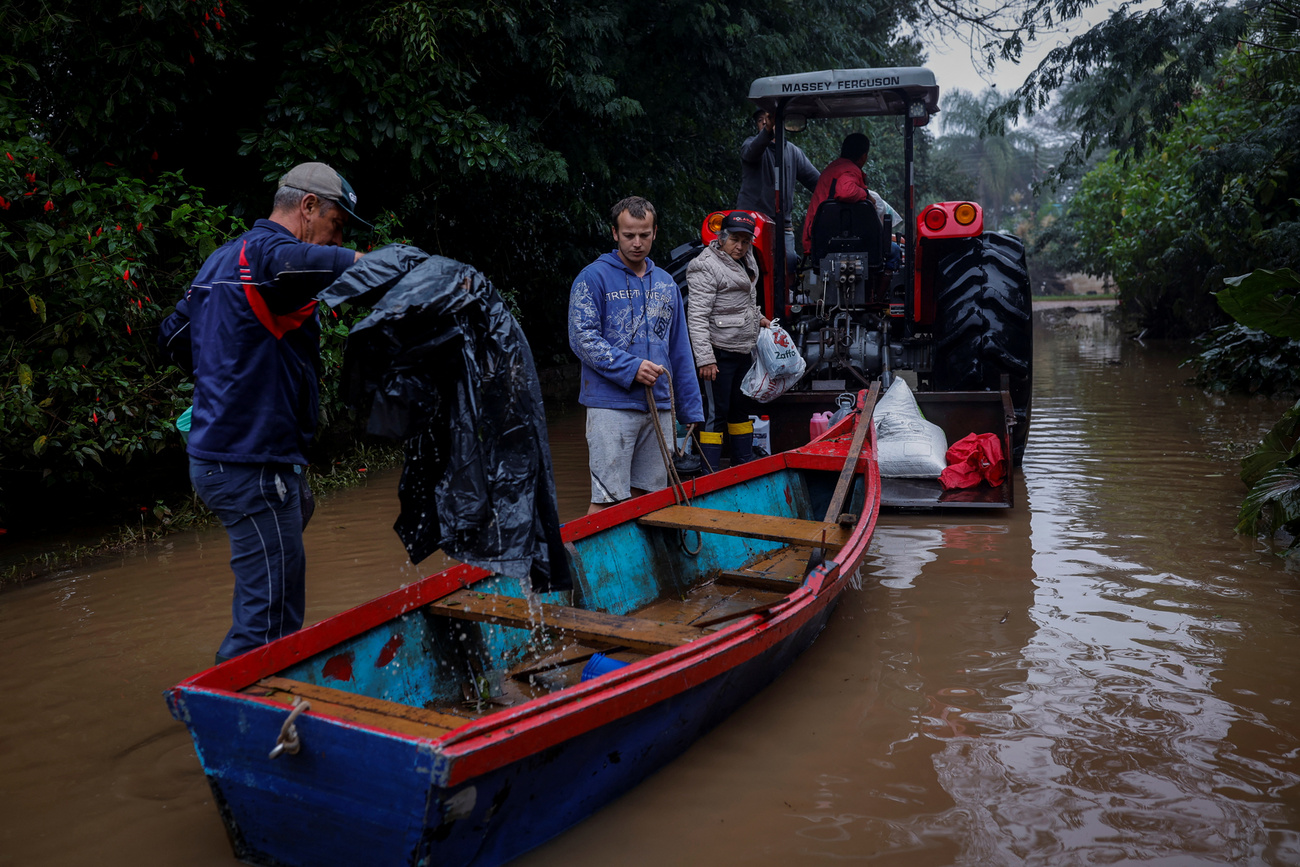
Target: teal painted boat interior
column 423, row 660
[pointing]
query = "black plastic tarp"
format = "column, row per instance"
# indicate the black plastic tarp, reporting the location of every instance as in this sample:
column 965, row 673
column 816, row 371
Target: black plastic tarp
column 441, row 365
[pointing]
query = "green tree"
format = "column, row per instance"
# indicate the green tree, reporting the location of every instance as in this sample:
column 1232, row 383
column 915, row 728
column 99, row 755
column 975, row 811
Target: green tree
column 1217, row 196
column 91, row 257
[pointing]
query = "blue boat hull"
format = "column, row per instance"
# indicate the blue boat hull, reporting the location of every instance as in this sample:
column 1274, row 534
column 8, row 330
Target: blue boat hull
column 394, row 811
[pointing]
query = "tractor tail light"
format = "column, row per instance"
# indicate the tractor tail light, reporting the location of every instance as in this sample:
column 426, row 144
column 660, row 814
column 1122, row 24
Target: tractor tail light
column 964, row 214
column 715, row 221
column 935, row 219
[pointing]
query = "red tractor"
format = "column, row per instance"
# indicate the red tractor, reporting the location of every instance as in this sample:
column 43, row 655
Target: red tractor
column 954, row 320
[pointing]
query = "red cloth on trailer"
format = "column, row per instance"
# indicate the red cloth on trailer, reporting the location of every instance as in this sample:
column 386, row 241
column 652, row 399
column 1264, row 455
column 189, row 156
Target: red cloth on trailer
column 973, row 459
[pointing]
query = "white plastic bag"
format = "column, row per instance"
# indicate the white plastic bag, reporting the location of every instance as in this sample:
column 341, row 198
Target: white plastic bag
column 761, row 385
column 779, row 355
column 907, row 446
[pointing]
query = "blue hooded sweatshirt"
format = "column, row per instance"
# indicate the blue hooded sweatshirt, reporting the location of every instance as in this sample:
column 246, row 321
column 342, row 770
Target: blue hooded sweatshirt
column 616, row 320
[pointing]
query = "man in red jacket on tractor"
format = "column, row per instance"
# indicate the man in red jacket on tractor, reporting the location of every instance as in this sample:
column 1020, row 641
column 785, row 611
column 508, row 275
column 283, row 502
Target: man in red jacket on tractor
column 844, row 181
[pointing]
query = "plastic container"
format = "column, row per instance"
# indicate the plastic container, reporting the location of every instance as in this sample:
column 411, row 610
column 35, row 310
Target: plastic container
column 183, row 424
column 819, row 424
column 600, row 664
column 762, row 433
column 683, row 441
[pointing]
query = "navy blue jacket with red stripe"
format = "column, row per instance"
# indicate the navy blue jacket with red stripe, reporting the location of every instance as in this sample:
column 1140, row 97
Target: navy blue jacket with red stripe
column 257, row 345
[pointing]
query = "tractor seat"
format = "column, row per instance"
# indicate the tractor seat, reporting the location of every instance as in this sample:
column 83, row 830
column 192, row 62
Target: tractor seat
column 841, row 227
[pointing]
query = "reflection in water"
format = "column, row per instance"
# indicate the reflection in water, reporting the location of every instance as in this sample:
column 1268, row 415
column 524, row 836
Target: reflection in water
column 903, row 553
column 1106, row 674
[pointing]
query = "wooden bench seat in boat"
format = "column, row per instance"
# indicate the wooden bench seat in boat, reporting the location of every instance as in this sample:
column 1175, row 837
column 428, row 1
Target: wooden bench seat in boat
column 791, row 531
column 634, row 633
column 703, row 610
column 781, row 571
column 363, row 709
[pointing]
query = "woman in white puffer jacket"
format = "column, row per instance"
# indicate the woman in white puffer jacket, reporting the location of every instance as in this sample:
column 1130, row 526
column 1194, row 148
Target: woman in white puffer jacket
column 723, row 318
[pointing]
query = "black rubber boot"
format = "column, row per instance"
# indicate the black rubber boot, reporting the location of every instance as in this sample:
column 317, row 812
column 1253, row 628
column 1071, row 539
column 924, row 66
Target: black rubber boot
column 741, row 435
column 710, row 451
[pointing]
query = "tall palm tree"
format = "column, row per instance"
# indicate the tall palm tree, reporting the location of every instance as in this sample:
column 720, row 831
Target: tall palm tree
column 1004, row 164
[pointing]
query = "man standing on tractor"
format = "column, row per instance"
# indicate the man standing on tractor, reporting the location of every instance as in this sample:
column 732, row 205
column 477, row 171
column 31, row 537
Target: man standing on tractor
column 844, row 181
column 758, row 177
column 256, row 352
column 628, row 328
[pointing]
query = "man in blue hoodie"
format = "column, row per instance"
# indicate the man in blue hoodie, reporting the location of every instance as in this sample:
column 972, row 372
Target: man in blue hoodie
column 628, row 328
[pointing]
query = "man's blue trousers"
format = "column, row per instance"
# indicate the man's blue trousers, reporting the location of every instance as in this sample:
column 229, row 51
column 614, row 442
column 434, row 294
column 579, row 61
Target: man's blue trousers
column 260, row 507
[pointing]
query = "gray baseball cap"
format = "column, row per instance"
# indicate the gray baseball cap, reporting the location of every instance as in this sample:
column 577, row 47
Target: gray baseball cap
column 322, row 180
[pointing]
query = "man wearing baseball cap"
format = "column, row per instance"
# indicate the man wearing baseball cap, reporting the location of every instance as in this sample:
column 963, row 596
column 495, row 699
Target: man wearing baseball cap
column 256, row 353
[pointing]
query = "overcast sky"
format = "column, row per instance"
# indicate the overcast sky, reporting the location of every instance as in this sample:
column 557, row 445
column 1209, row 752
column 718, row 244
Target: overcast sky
column 952, row 65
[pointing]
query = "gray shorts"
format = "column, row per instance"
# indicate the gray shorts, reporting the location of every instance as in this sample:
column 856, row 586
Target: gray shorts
column 624, row 452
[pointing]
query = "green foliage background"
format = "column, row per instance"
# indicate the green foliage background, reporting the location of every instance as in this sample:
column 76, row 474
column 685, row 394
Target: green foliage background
column 137, row 136
column 1199, row 103
column 1216, row 198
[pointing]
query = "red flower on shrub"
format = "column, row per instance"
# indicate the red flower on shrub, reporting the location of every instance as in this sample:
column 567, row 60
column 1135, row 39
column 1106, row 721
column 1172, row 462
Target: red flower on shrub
column 49, row 205
column 4, row 203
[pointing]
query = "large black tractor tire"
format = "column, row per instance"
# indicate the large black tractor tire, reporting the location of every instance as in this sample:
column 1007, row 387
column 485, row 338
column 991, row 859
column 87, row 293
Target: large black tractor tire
column 984, row 325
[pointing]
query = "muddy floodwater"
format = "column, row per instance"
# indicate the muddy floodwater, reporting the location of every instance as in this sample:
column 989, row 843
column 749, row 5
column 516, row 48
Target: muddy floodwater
column 1105, row 675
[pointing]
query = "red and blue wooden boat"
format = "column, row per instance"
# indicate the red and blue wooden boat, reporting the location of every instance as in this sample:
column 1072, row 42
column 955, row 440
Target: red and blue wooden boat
column 448, row 722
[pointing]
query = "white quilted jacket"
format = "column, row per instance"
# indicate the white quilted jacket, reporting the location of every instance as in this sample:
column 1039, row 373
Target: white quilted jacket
column 722, row 309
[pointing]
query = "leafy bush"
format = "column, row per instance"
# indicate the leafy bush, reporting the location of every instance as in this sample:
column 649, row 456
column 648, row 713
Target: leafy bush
column 1218, row 196
column 88, row 261
column 1270, row 301
column 1273, row 472
column 1241, row 359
